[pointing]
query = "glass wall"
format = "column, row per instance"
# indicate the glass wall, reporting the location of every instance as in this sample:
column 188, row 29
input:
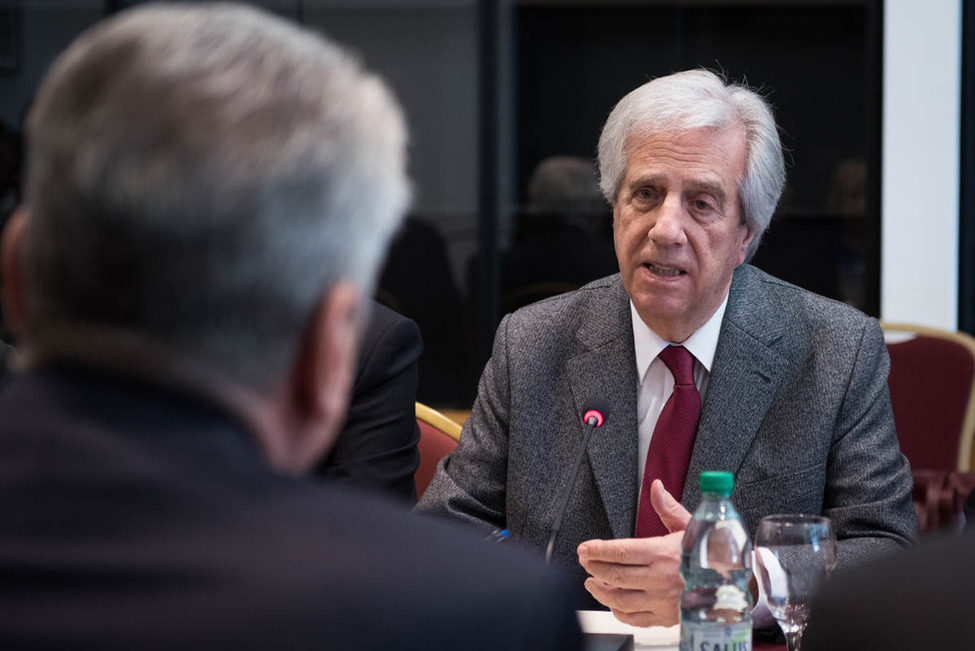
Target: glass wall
column 809, row 60
column 505, row 102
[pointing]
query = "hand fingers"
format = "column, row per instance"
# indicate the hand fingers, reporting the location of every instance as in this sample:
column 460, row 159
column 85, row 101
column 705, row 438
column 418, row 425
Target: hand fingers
column 674, row 516
column 633, row 607
column 632, row 551
column 628, row 601
column 658, row 580
column 620, row 576
column 625, row 551
column 661, row 577
column 648, row 618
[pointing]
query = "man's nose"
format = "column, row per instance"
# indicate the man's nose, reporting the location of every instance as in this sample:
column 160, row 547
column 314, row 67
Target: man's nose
column 668, row 224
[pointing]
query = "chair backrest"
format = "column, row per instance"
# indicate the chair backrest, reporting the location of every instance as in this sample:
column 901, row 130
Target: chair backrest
column 439, row 436
column 932, row 390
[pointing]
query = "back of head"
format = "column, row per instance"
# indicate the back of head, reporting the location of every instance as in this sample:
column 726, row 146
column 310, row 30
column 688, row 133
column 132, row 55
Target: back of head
column 699, row 99
column 564, row 184
column 199, row 176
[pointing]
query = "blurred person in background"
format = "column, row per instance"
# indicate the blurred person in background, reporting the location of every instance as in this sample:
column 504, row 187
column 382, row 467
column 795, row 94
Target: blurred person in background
column 417, row 282
column 377, row 448
column 209, row 194
column 783, row 388
column 561, row 243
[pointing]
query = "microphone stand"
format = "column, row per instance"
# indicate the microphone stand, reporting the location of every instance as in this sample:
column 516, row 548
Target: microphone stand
column 591, row 424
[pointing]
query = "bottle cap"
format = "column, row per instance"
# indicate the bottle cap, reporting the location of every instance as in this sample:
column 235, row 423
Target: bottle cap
column 717, row 482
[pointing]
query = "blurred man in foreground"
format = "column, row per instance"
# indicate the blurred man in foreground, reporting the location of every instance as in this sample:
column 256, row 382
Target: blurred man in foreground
column 209, row 193
column 918, row 600
column 707, row 362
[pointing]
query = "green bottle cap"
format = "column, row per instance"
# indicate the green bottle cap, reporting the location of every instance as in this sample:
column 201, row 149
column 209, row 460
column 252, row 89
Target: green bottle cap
column 717, row 482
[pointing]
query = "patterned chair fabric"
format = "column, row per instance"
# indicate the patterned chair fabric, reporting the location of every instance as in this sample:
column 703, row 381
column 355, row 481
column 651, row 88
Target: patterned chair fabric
column 932, row 390
column 438, row 438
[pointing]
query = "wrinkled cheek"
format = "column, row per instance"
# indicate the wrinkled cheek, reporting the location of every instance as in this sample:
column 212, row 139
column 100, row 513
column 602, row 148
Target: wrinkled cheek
column 619, row 235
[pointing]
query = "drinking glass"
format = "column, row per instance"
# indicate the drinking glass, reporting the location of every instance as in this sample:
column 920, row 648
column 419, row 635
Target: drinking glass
column 794, row 554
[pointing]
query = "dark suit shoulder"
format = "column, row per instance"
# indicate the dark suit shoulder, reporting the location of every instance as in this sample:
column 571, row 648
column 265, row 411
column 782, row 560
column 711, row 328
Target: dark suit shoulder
column 390, row 344
column 377, row 448
column 480, row 594
column 126, row 509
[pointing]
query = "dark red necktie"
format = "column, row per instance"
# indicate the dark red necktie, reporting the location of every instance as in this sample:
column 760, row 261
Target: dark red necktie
column 672, row 441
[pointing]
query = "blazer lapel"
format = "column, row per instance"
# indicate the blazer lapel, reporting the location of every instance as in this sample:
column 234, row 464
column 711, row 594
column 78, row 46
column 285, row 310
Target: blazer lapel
column 744, row 379
column 607, row 366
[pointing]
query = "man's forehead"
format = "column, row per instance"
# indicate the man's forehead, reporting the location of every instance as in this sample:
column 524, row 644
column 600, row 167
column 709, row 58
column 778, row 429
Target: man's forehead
column 704, row 154
column 729, row 133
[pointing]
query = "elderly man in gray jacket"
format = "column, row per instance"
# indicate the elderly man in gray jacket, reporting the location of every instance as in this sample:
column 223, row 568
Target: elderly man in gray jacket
column 707, row 362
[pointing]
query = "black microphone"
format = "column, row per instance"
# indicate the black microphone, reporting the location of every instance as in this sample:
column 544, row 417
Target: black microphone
column 595, row 411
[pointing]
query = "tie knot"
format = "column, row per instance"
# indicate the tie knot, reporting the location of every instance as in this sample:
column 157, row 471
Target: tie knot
column 680, row 362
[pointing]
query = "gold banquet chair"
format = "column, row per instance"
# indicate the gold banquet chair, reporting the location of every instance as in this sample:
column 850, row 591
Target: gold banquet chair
column 439, row 436
column 932, row 390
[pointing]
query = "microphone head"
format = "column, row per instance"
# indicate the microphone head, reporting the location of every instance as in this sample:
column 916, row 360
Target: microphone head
column 595, row 411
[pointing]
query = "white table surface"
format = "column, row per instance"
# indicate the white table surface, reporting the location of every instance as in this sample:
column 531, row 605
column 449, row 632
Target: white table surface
column 658, row 638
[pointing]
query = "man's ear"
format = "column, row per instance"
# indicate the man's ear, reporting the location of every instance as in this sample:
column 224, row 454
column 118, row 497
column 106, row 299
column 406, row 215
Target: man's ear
column 12, row 262
column 324, row 373
column 746, row 240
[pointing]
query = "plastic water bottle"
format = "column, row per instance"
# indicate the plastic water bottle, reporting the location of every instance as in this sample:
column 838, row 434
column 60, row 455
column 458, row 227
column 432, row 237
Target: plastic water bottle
column 716, row 564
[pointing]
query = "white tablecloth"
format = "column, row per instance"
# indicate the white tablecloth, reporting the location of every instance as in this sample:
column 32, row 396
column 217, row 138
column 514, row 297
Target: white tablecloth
column 658, row 638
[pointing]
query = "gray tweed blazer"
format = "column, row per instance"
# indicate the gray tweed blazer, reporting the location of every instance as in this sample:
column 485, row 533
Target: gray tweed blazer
column 796, row 407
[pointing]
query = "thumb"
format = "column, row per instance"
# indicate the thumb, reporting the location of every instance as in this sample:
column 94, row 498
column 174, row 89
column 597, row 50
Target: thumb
column 674, row 516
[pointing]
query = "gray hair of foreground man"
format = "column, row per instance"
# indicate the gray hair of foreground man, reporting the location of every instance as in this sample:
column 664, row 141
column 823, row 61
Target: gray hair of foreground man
column 199, row 177
column 691, row 100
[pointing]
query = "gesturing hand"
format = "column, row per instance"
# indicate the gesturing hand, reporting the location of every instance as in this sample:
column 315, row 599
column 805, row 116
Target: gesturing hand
column 639, row 578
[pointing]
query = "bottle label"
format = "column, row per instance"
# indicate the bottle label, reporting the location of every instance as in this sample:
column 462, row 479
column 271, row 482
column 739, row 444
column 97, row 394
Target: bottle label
column 734, row 637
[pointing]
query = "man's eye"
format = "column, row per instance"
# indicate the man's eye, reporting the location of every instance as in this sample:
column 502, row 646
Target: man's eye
column 702, row 205
column 643, row 194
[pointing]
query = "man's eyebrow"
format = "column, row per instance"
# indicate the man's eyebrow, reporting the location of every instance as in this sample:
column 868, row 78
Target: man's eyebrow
column 710, row 187
column 647, row 179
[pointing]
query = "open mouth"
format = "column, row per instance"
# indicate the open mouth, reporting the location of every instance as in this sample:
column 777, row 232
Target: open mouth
column 666, row 272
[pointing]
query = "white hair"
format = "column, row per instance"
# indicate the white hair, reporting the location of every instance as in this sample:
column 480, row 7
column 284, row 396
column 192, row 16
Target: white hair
column 691, row 100
column 201, row 176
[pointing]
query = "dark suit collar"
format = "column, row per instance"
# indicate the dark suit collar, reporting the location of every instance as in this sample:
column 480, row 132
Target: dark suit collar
column 747, row 371
column 138, row 408
column 605, row 365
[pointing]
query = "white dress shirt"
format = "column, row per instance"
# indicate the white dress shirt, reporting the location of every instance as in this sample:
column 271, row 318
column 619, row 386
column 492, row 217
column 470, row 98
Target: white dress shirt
column 655, row 382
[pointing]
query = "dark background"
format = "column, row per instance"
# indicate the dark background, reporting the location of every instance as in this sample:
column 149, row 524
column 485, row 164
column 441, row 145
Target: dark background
column 491, row 89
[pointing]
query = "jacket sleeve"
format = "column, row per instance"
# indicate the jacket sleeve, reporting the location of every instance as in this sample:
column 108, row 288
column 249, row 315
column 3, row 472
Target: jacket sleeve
column 868, row 483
